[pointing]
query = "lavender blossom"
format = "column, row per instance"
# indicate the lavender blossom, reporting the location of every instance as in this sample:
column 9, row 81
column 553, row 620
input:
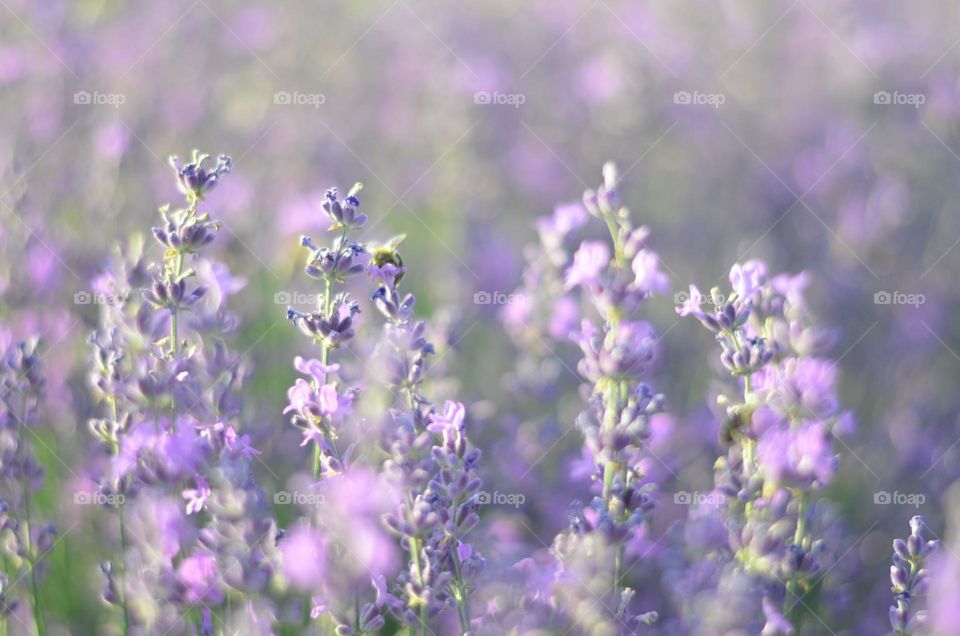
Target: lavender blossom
column 171, row 386
column 318, row 405
column 908, row 577
column 341, row 553
column 778, row 436
column 431, row 461
column 25, row 544
column 592, row 554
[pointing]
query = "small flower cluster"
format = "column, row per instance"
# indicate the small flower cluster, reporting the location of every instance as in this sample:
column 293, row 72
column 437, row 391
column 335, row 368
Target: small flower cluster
column 171, row 386
column 779, row 435
column 908, row 578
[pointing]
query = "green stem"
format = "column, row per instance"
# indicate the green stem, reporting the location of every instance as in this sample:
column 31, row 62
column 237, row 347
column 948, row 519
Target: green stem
column 325, row 359
column 174, row 341
column 749, row 444
column 618, row 257
column 356, row 607
column 609, row 421
column 34, row 586
column 123, row 573
column 802, row 501
column 123, row 526
column 415, row 557
column 463, row 609
column 791, row 606
column 614, row 392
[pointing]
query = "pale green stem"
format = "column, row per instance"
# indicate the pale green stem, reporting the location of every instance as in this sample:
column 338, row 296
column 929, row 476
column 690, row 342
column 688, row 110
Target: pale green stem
column 415, row 557
column 792, row 601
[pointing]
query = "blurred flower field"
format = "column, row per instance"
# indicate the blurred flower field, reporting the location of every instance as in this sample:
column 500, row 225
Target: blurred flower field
column 580, row 317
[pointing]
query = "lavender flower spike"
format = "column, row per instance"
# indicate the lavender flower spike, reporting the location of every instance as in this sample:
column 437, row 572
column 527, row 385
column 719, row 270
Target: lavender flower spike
column 593, row 553
column 25, row 544
column 431, row 460
column 318, row 406
column 908, row 576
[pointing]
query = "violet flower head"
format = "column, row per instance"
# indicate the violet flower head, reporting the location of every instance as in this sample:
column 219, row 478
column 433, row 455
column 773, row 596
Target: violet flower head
column 344, row 214
column 195, row 181
column 908, row 578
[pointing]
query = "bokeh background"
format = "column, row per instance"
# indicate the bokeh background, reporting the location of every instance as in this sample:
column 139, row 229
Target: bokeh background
column 820, row 136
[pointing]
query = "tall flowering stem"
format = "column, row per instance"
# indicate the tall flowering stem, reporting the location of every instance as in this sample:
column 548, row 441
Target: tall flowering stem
column 616, row 422
column 778, row 433
column 180, row 478
column 25, row 544
column 908, row 578
column 315, row 404
column 319, row 406
column 431, row 461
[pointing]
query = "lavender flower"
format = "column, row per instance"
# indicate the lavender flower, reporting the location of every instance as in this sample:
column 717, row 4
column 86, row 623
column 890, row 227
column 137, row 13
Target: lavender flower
column 342, row 553
column 193, row 180
column 908, row 577
column 593, row 554
column 431, row 461
column 779, row 435
column 171, row 385
column 25, row 544
column 318, row 406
